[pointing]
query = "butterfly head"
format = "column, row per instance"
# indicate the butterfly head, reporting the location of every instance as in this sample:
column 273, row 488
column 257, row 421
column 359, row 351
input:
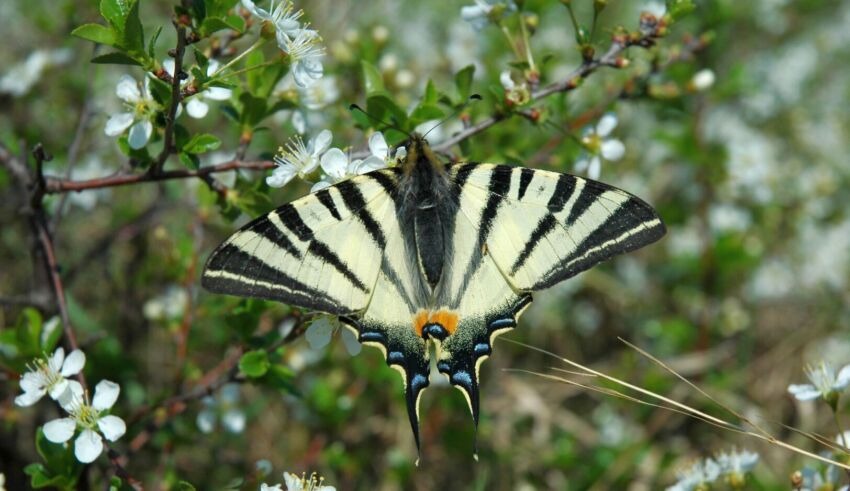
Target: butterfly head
column 420, row 156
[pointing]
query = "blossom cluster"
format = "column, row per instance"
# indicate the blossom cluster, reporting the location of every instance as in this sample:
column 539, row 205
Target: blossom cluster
column 298, row 159
column 295, row 483
column 732, row 466
column 50, row 376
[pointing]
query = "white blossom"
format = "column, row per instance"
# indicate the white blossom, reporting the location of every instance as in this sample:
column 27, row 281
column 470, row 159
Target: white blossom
column 825, row 382
column 381, row 151
column 516, row 93
column 298, row 159
column 700, row 473
column 337, row 167
column 140, row 110
column 815, row 481
column 49, row 376
column 91, row 419
column 303, row 483
column 598, row 147
column 226, row 407
column 170, row 304
column 320, row 331
column 737, row 462
column 303, row 45
column 486, row 11
column 196, row 105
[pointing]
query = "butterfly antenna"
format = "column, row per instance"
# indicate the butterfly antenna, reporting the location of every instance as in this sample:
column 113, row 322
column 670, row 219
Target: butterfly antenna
column 355, row 107
column 470, row 100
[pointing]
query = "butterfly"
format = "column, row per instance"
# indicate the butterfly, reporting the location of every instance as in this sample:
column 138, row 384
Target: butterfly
column 431, row 254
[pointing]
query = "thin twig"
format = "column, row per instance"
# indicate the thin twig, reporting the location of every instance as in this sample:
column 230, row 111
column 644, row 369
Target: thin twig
column 54, row 185
column 176, row 97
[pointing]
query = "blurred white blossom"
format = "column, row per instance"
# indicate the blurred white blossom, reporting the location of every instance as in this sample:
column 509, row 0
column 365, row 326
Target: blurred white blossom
column 598, row 146
column 20, row 78
column 49, row 376
column 224, row 406
column 91, row 167
column 735, row 465
column 701, row 473
column 95, row 425
column 702, row 80
column 297, row 159
column 140, row 111
column 485, row 12
column 169, row 305
column 320, row 331
column 515, row 93
column 817, row 481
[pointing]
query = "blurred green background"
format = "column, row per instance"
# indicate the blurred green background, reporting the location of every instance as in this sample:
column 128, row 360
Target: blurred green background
column 750, row 284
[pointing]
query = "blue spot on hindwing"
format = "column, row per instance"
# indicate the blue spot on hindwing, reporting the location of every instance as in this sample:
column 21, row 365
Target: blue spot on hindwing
column 462, row 378
column 502, row 323
column 373, row 336
column 418, row 382
column 395, row 357
column 482, row 349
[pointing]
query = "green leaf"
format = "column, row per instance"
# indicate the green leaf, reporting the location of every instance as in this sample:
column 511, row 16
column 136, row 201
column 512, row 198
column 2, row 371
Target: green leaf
column 59, row 461
column 425, row 112
column 40, row 477
column 190, row 160
column 254, row 364
column 381, row 107
column 463, row 82
column 235, row 22
column 115, row 12
column 134, row 33
column 28, row 331
column 152, row 41
column 97, row 33
column 253, row 109
column 184, row 486
column 280, row 377
column 202, row 143
column 116, row 58
column 431, row 94
column 51, row 332
column 372, row 79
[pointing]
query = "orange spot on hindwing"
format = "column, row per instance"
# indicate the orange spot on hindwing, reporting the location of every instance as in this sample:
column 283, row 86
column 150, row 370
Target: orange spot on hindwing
column 438, row 324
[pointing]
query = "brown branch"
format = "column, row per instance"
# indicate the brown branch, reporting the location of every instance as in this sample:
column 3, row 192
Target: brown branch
column 54, row 185
column 176, row 97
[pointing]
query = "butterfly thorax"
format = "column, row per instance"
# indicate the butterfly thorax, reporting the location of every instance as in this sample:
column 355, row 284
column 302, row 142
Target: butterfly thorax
column 428, row 209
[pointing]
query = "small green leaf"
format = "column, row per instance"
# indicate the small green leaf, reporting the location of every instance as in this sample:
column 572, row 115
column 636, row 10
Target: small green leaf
column 184, row 486
column 134, row 33
column 253, row 109
column 372, row 79
column 28, row 331
column 202, row 143
column 425, row 112
column 152, row 41
column 116, row 58
column 463, row 82
column 431, row 94
column 381, row 107
column 190, row 160
column 115, row 12
column 95, row 32
column 235, row 22
column 40, row 477
column 254, row 364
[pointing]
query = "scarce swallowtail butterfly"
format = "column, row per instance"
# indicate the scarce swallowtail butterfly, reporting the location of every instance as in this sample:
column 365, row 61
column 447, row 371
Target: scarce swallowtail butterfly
column 431, row 254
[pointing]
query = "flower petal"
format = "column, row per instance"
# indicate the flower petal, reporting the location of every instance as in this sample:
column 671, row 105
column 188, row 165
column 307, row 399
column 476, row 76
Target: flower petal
column 32, row 381
column 594, row 169
column 369, row 164
column 56, row 360
column 59, row 430
column 804, row 392
column 319, row 333
column 319, row 143
column 506, row 80
column 168, row 65
column 127, row 89
column 88, row 446
column 581, row 164
column 197, row 108
column 105, row 394
column 306, row 72
column 335, row 163
column 206, row 421
column 29, row 398
column 112, row 427
column 139, row 134
column 117, row 123
column 293, row 482
column 75, row 362
column 324, row 183
column 217, row 93
column 72, row 397
column 378, row 145
column 606, row 125
column 58, row 389
column 349, row 339
column 843, row 379
column 233, row 420
column 612, row 149
column 281, row 176
column 299, row 122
